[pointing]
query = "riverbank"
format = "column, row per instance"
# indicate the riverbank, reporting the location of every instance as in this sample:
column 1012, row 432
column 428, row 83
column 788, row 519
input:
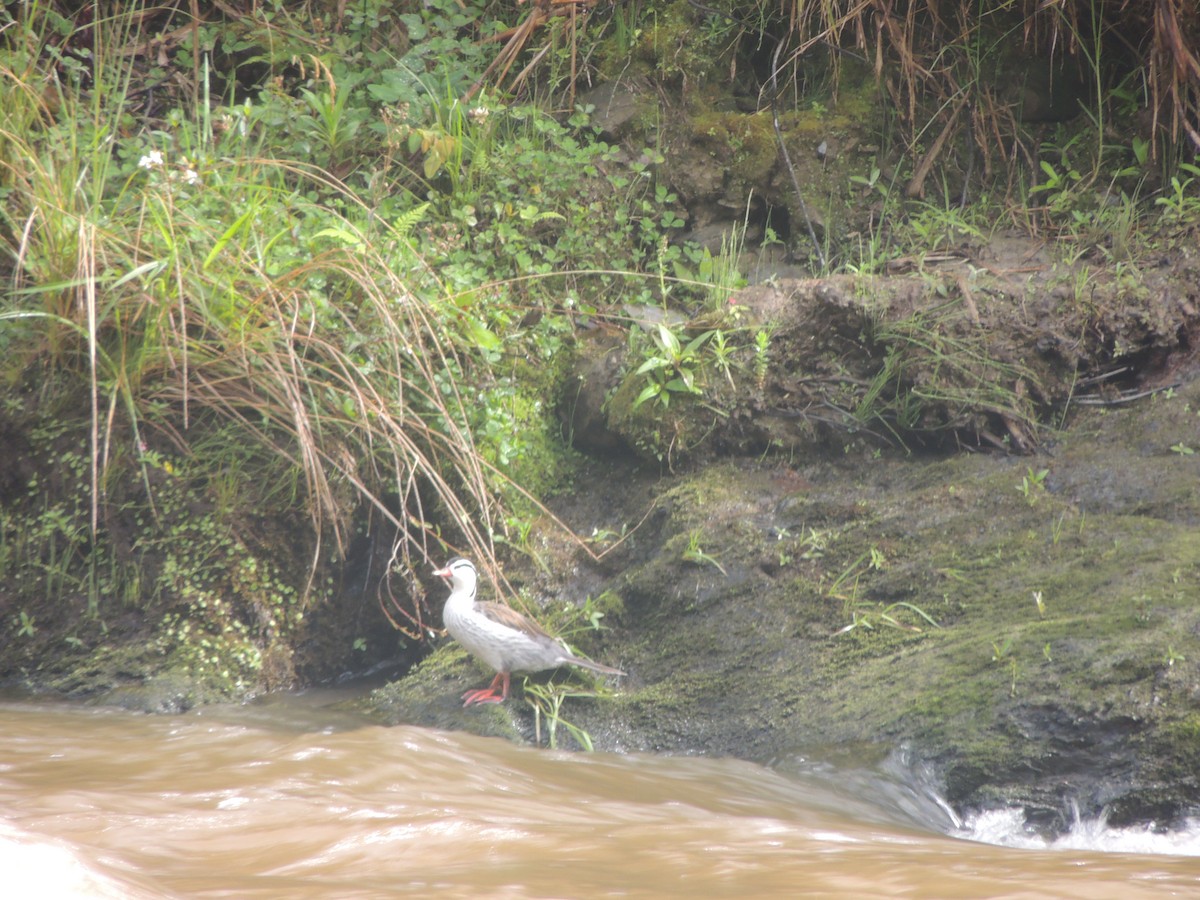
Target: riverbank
column 1024, row 624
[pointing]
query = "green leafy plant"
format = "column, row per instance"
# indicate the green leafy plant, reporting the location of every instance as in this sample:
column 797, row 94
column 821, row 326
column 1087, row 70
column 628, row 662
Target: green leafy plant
column 546, row 700
column 592, row 613
column 722, row 352
column 331, row 119
column 1000, row 649
column 762, row 356
column 673, row 369
column 1179, row 203
column 1033, row 485
column 1172, row 656
column 25, row 625
column 1002, row 653
column 935, row 227
column 694, row 553
column 1060, row 187
column 870, row 181
column 721, row 273
column 815, row 542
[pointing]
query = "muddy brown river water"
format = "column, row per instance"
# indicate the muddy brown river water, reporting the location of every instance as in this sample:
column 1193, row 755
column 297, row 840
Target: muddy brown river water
column 286, row 799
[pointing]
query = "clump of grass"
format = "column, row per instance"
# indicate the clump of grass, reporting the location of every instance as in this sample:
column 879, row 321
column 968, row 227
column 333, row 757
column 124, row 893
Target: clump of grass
column 932, row 379
column 186, row 281
column 181, row 315
column 546, row 700
column 944, row 63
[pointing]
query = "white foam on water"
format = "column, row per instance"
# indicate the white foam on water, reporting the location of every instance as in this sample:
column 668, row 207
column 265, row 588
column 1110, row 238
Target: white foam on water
column 1007, row 828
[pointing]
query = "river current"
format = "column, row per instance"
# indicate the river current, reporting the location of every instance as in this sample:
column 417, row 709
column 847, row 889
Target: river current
column 287, row 798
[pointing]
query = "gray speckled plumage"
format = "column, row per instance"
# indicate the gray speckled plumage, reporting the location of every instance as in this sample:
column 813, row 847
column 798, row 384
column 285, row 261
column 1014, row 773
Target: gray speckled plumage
column 500, row 636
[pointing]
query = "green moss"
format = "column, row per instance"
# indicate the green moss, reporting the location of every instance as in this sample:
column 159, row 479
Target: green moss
column 523, row 439
column 431, row 695
column 174, row 584
column 1182, row 741
column 675, row 44
column 759, row 655
column 743, row 143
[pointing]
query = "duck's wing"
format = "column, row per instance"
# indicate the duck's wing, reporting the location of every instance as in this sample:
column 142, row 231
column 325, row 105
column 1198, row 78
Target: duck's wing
column 510, row 618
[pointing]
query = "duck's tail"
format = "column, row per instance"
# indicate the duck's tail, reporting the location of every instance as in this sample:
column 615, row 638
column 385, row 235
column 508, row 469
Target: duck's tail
column 594, row 666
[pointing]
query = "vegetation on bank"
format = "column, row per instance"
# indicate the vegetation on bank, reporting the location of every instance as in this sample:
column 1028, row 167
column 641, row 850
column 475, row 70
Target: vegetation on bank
column 337, row 294
column 291, row 298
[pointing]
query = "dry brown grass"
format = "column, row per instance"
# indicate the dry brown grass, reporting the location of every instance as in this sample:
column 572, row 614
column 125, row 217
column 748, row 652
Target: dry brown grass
column 920, row 50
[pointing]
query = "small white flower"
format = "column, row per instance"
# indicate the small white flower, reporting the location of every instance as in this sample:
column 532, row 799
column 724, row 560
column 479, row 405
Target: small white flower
column 152, row 160
column 191, row 176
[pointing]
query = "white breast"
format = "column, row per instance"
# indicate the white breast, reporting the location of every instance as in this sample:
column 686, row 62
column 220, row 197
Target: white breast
column 484, row 639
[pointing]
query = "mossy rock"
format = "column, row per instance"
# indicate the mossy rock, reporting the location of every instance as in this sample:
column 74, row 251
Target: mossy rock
column 1035, row 646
